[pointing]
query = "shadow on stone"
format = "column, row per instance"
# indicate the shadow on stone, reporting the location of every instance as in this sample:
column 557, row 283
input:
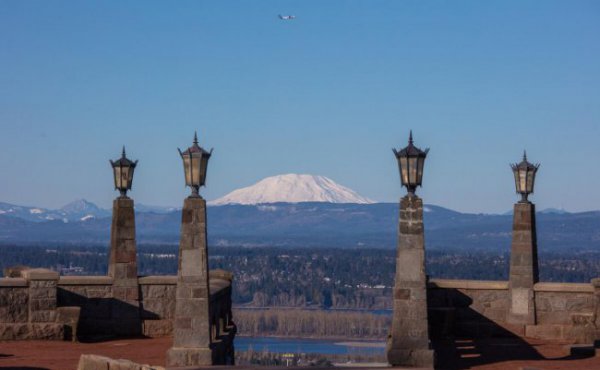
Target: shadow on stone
column 104, row 319
column 463, row 338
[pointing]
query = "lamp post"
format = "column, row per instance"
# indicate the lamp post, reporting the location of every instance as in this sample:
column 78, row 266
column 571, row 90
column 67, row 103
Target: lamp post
column 122, row 264
column 524, row 173
column 123, row 173
column 411, row 161
column 408, row 341
column 195, row 162
column 192, row 334
column 524, row 271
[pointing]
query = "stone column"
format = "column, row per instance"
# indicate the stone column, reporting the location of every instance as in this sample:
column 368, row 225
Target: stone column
column 408, row 341
column 523, row 265
column 191, row 326
column 42, row 304
column 122, row 267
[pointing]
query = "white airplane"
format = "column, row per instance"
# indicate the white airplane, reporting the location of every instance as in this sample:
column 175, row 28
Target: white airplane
column 287, row 17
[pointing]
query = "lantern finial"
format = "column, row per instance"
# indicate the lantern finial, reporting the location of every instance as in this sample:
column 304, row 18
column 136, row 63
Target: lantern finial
column 410, row 139
column 123, row 154
column 525, row 155
column 196, row 137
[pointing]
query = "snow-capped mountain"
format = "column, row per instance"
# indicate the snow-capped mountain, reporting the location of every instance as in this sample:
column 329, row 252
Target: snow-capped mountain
column 79, row 210
column 83, row 210
column 293, row 188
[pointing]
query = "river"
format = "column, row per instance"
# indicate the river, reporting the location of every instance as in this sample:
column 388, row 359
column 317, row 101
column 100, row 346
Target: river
column 300, row 345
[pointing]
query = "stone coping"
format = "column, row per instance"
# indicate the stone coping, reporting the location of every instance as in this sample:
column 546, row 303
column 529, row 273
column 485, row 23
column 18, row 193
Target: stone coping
column 39, row 274
column 216, row 285
column 85, row 280
column 503, row 285
column 12, row 282
column 468, row 284
column 158, row 280
column 564, row 287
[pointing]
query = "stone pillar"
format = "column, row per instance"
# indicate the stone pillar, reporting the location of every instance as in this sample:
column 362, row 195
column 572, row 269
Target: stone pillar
column 191, row 326
column 42, row 304
column 408, row 341
column 122, row 267
column 523, row 265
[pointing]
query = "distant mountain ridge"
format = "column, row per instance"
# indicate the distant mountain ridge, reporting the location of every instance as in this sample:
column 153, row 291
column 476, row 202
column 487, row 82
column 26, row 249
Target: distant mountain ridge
column 311, row 224
column 77, row 210
column 293, row 188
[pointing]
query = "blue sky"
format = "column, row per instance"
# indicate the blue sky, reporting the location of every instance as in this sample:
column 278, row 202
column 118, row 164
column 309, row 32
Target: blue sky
column 329, row 93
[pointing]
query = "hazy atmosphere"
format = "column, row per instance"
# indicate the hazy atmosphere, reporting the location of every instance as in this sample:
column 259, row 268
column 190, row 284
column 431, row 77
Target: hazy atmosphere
column 329, row 94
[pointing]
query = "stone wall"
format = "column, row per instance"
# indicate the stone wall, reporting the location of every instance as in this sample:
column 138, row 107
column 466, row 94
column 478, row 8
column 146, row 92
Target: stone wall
column 563, row 311
column 43, row 305
column 28, row 306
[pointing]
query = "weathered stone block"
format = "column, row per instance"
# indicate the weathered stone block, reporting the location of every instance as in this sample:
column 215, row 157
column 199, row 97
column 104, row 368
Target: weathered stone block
column 42, row 304
column 200, row 292
column 14, row 331
column 193, row 262
column 40, row 274
column 423, row 358
column 189, row 357
column 36, row 293
column 157, row 328
column 43, row 316
column 96, row 362
column 401, row 293
column 164, row 308
column 51, row 331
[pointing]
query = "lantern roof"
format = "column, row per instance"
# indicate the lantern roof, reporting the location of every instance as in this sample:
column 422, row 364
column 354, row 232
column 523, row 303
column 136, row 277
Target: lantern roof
column 195, row 148
column 525, row 164
column 123, row 161
column 411, row 150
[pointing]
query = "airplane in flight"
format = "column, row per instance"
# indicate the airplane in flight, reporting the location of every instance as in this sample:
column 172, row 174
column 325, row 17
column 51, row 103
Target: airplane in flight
column 287, row 17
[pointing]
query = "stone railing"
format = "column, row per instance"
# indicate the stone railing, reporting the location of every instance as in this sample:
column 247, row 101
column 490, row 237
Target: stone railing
column 563, row 311
column 43, row 305
column 28, row 308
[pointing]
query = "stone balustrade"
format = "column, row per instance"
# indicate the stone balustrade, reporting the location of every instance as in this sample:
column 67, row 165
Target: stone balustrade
column 42, row 305
column 563, row 311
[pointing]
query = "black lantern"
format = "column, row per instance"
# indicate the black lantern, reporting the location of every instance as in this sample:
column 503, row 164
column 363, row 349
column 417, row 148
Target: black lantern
column 411, row 161
column 123, row 173
column 195, row 162
column 524, row 177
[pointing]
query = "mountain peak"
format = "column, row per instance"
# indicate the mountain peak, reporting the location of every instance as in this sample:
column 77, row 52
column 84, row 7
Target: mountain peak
column 79, row 205
column 293, row 188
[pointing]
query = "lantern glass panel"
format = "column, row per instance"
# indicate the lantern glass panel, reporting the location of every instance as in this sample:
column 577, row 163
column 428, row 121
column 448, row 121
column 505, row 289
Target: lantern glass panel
column 522, row 180
column 187, row 169
column 130, row 177
column 412, row 171
column 516, row 173
column 196, row 170
column 124, row 181
column 117, row 177
column 420, row 170
column 530, row 177
column 404, row 170
column 204, row 165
